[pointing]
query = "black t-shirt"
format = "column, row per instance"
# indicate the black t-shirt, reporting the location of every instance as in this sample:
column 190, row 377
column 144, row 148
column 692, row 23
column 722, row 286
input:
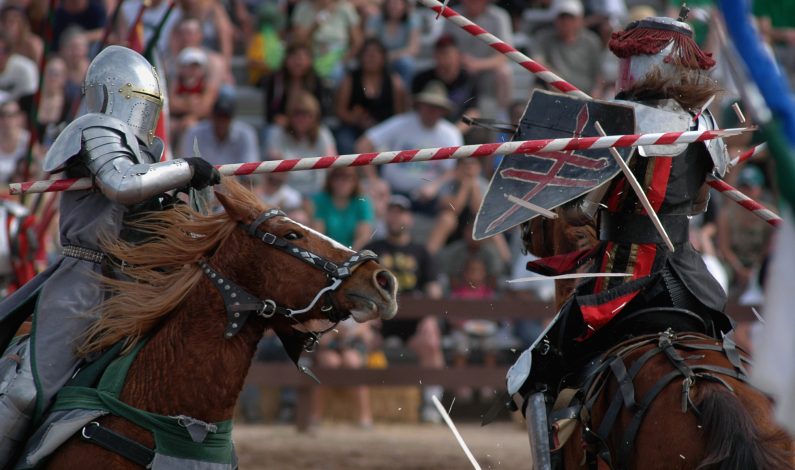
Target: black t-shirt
column 462, row 91
column 411, row 264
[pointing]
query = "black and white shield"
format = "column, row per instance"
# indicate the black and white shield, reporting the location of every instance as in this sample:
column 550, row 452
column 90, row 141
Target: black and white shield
column 550, row 179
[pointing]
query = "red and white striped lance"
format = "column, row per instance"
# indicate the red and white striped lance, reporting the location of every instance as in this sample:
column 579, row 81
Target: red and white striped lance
column 421, row 155
column 504, row 48
column 748, row 154
column 737, row 196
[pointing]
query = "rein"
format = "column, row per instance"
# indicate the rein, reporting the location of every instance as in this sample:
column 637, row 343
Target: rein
column 240, row 304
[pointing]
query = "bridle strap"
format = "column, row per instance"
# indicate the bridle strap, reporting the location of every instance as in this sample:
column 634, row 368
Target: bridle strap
column 331, row 269
column 240, row 304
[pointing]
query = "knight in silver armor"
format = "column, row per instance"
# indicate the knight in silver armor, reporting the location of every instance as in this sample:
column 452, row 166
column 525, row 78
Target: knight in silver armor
column 114, row 143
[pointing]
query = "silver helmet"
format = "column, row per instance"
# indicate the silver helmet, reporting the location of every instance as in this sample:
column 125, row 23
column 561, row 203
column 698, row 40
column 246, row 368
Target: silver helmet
column 121, row 83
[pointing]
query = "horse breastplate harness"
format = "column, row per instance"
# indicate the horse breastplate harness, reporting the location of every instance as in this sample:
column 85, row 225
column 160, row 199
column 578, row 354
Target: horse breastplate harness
column 240, row 304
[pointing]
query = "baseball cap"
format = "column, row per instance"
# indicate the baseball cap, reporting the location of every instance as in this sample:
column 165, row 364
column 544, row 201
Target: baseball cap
column 225, row 103
column 398, row 200
column 192, row 55
column 444, row 40
column 567, row 7
column 751, row 176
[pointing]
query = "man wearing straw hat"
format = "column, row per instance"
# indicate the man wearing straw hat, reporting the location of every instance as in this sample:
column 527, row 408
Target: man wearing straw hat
column 424, row 127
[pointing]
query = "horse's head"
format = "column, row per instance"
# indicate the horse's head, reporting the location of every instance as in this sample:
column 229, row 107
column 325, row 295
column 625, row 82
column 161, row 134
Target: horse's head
column 312, row 281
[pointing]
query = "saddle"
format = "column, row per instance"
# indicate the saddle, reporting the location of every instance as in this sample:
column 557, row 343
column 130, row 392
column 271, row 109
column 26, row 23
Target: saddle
column 180, row 441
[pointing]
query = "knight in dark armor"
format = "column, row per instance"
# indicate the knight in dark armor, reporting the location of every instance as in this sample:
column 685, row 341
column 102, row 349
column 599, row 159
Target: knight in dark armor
column 663, row 78
column 114, row 143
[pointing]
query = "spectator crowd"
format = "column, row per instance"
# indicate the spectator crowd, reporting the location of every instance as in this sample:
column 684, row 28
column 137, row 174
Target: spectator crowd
column 252, row 80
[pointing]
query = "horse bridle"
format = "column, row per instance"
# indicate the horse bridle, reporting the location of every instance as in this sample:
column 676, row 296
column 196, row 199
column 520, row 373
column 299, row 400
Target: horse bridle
column 240, row 304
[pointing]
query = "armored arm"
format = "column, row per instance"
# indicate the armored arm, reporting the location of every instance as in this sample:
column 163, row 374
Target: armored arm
column 112, row 162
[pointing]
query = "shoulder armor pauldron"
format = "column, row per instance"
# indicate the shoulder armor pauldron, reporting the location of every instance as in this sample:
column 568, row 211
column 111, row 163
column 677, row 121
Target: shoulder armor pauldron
column 70, row 141
column 660, row 116
column 716, row 147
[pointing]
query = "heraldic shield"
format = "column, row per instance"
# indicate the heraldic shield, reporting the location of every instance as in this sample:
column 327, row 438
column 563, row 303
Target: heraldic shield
column 550, row 179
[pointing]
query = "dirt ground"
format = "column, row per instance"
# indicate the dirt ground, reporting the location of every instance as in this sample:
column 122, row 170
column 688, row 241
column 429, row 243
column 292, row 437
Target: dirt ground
column 396, row 446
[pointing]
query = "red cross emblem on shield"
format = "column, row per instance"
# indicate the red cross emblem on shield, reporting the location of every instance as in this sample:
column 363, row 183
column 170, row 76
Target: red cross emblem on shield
column 551, row 177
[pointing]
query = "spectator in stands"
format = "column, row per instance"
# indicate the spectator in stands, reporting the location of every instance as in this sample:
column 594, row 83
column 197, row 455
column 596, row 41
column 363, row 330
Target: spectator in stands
column 431, row 29
column 703, row 231
column 150, row 20
column 74, row 52
column 216, row 27
column 341, row 210
column 367, row 95
column 604, row 16
column 410, row 262
column 476, row 335
column 222, row 139
column 492, row 251
column 14, row 138
column 89, row 15
column 459, row 201
column 366, row 9
column 193, row 92
column 265, row 51
column 296, row 75
column 489, row 67
column 379, row 192
column 416, row 274
column 54, row 106
column 333, row 29
column 303, row 135
column 349, row 348
column 274, row 190
column 19, row 76
column 188, row 33
column 571, row 50
column 473, row 283
column 775, row 21
column 743, row 240
column 461, row 87
column 422, row 128
column 16, row 26
column 398, row 29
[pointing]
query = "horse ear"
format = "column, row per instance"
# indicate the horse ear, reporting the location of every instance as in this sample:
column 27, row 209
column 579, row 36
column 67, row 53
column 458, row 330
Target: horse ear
column 235, row 211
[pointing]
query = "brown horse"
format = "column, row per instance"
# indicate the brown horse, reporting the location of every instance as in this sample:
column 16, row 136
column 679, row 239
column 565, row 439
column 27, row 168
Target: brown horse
column 191, row 365
column 685, row 405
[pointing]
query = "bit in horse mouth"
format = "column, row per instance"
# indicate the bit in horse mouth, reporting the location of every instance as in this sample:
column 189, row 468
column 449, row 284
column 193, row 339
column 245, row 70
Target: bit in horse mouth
column 364, row 309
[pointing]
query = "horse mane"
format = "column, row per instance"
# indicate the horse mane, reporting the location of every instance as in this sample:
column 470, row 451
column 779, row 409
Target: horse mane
column 160, row 272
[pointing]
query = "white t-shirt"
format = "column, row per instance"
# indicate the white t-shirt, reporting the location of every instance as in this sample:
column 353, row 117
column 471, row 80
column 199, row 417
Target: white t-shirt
column 240, row 146
column 406, row 132
column 280, row 145
column 20, row 77
column 285, row 198
column 8, row 161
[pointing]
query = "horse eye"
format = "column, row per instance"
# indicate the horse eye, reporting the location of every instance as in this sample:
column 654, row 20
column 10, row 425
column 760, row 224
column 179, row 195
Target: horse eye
column 293, row 236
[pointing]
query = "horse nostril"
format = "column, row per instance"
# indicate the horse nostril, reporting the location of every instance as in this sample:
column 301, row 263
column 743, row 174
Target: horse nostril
column 385, row 280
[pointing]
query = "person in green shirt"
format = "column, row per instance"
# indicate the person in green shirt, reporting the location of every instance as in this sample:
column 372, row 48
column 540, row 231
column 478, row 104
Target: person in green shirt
column 342, row 211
